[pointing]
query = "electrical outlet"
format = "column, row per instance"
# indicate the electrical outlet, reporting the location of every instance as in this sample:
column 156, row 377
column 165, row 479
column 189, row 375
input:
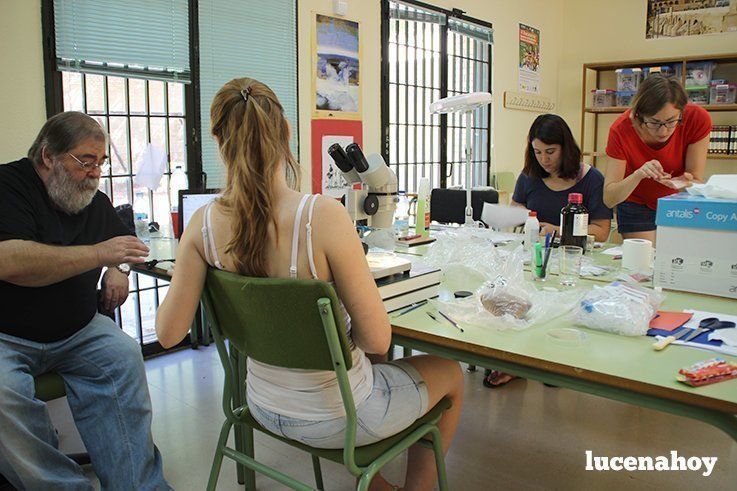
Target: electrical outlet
column 528, row 102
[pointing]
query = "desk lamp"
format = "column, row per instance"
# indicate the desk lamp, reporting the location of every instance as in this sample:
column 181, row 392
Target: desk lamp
column 464, row 103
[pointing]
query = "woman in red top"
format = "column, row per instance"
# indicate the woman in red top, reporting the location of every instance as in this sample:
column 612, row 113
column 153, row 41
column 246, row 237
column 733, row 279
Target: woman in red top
column 655, row 149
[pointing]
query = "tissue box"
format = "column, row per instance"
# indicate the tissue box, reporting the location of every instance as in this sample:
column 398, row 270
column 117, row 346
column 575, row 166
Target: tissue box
column 697, row 245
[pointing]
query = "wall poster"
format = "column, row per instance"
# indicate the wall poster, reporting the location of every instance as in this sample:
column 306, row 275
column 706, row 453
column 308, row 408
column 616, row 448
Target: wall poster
column 674, row 18
column 336, row 81
column 326, row 177
column 529, row 59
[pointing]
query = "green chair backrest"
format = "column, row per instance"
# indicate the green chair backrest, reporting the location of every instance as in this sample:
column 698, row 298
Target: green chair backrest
column 275, row 320
column 505, row 181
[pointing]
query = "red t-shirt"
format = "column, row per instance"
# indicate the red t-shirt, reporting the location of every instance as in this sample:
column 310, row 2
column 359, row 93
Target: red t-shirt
column 625, row 144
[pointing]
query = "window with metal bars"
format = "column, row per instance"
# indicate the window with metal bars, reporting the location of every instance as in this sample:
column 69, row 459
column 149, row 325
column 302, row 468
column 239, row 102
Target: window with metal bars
column 429, row 53
column 134, row 112
column 140, row 96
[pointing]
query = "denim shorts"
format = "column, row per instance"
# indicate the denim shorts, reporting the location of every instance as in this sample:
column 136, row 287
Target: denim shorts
column 399, row 397
column 634, row 217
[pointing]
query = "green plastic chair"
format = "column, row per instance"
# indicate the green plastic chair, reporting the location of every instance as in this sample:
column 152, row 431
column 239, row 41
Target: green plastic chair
column 505, row 181
column 295, row 324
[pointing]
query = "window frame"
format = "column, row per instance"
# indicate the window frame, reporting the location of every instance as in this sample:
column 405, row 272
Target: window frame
column 444, row 164
column 54, row 97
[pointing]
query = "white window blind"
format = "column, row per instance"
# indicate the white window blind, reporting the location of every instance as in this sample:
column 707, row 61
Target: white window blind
column 406, row 11
column 245, row 39
column 135, row 38
column 469, row 29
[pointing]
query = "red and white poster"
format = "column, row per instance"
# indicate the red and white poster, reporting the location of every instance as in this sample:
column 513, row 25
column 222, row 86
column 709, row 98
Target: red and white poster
column 326, row 177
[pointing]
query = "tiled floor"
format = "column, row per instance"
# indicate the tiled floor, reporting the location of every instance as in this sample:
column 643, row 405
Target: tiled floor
column 522, row 436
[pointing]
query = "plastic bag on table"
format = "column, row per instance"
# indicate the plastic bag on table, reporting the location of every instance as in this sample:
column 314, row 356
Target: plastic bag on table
column 619, row 308
column 467, row 257
column 509, row 301
column 380, row 238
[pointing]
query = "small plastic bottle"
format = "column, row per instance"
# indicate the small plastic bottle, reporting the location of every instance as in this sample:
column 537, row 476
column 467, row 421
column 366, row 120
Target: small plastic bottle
column 178, row 183
column 532, row 231
column 140, row 217
column 574, row 222
column 422, row 225
column 401, row 215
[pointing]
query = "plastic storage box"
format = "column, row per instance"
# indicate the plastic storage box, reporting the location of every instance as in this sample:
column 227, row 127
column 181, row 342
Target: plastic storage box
column 722, row 92
column 603, row 97
column 628, row 79
column 699, row 74
column 665, row 70
column 698, row 94
column 624, row 97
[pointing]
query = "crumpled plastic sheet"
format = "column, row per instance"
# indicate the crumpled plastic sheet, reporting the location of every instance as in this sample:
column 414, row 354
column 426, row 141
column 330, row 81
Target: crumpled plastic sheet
column 619, row 308
column 505, row 276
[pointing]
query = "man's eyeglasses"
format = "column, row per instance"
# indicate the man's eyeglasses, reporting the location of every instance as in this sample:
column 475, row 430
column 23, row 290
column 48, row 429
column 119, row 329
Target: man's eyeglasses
column 656, row 125
column 103, row 164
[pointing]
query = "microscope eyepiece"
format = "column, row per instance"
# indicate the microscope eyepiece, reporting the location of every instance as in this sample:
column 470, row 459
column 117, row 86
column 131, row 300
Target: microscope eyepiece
column 340, row 157
column 357, row 159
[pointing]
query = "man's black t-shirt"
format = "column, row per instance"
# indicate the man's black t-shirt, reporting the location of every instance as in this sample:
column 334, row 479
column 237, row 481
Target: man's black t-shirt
column 54, row 312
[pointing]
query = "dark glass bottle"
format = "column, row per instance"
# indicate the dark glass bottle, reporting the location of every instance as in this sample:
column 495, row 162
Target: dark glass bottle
column 574, row 222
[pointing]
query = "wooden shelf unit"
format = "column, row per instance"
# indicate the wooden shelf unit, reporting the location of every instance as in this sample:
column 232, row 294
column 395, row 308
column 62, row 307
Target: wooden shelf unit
column 598, row 69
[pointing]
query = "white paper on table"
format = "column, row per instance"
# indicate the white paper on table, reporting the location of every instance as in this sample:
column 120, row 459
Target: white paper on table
column 333, row 183
column 727, row 336
column 613, row 251
column 592, row 270
column 726, row 350
column 718, row 186
column 151, row 167
column 502, row 216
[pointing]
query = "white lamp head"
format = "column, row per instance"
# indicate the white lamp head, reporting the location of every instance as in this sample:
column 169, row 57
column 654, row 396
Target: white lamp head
column 462, row 102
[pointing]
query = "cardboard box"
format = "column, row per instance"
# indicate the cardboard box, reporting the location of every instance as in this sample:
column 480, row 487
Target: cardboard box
column 697, row 245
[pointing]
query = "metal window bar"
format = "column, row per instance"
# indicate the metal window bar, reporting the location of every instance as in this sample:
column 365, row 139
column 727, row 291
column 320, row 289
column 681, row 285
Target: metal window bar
column 140, row 287
column 416, row 143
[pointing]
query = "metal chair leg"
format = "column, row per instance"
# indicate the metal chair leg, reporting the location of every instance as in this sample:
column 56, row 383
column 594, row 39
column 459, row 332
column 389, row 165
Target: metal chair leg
column 318, row 472
column 218, row 460
column 437, row 445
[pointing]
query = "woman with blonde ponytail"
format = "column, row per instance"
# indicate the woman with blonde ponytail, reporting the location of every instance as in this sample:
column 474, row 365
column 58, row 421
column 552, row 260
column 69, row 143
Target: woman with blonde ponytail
column 250, row 230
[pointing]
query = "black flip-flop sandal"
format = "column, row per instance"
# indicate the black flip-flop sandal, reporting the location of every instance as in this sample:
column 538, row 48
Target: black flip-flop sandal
column 489, row 379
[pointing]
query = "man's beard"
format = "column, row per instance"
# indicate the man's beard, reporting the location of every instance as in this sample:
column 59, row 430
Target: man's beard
column 69, row 195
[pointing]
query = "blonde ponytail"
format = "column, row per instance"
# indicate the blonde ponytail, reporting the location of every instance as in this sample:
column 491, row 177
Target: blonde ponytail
column 253, row 135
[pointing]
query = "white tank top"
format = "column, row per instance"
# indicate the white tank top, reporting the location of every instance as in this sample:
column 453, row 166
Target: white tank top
column 312, row 395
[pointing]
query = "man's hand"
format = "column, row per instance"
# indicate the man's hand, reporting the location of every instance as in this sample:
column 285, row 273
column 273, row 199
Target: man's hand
column 118, row 250
column 114, row 289
column 653, row 170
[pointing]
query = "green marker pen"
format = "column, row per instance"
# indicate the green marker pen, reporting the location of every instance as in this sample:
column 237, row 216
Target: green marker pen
column 538, row 260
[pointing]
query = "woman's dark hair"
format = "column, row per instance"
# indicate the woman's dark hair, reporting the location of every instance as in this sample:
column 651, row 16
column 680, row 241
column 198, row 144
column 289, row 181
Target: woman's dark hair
column 655, row 92
column 551, row 129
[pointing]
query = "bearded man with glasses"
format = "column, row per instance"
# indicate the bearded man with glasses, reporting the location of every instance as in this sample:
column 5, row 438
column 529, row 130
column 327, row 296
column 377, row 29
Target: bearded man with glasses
column 656, row 148
column 57, row 232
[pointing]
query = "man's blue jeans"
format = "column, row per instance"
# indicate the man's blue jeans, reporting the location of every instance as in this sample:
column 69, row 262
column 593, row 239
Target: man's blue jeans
column 106, row 387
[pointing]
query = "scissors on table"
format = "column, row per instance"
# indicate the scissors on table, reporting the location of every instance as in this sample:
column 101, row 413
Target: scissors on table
column 711, row 324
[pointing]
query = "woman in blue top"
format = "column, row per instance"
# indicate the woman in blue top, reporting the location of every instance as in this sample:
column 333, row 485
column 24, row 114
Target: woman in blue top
column 553, row 169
